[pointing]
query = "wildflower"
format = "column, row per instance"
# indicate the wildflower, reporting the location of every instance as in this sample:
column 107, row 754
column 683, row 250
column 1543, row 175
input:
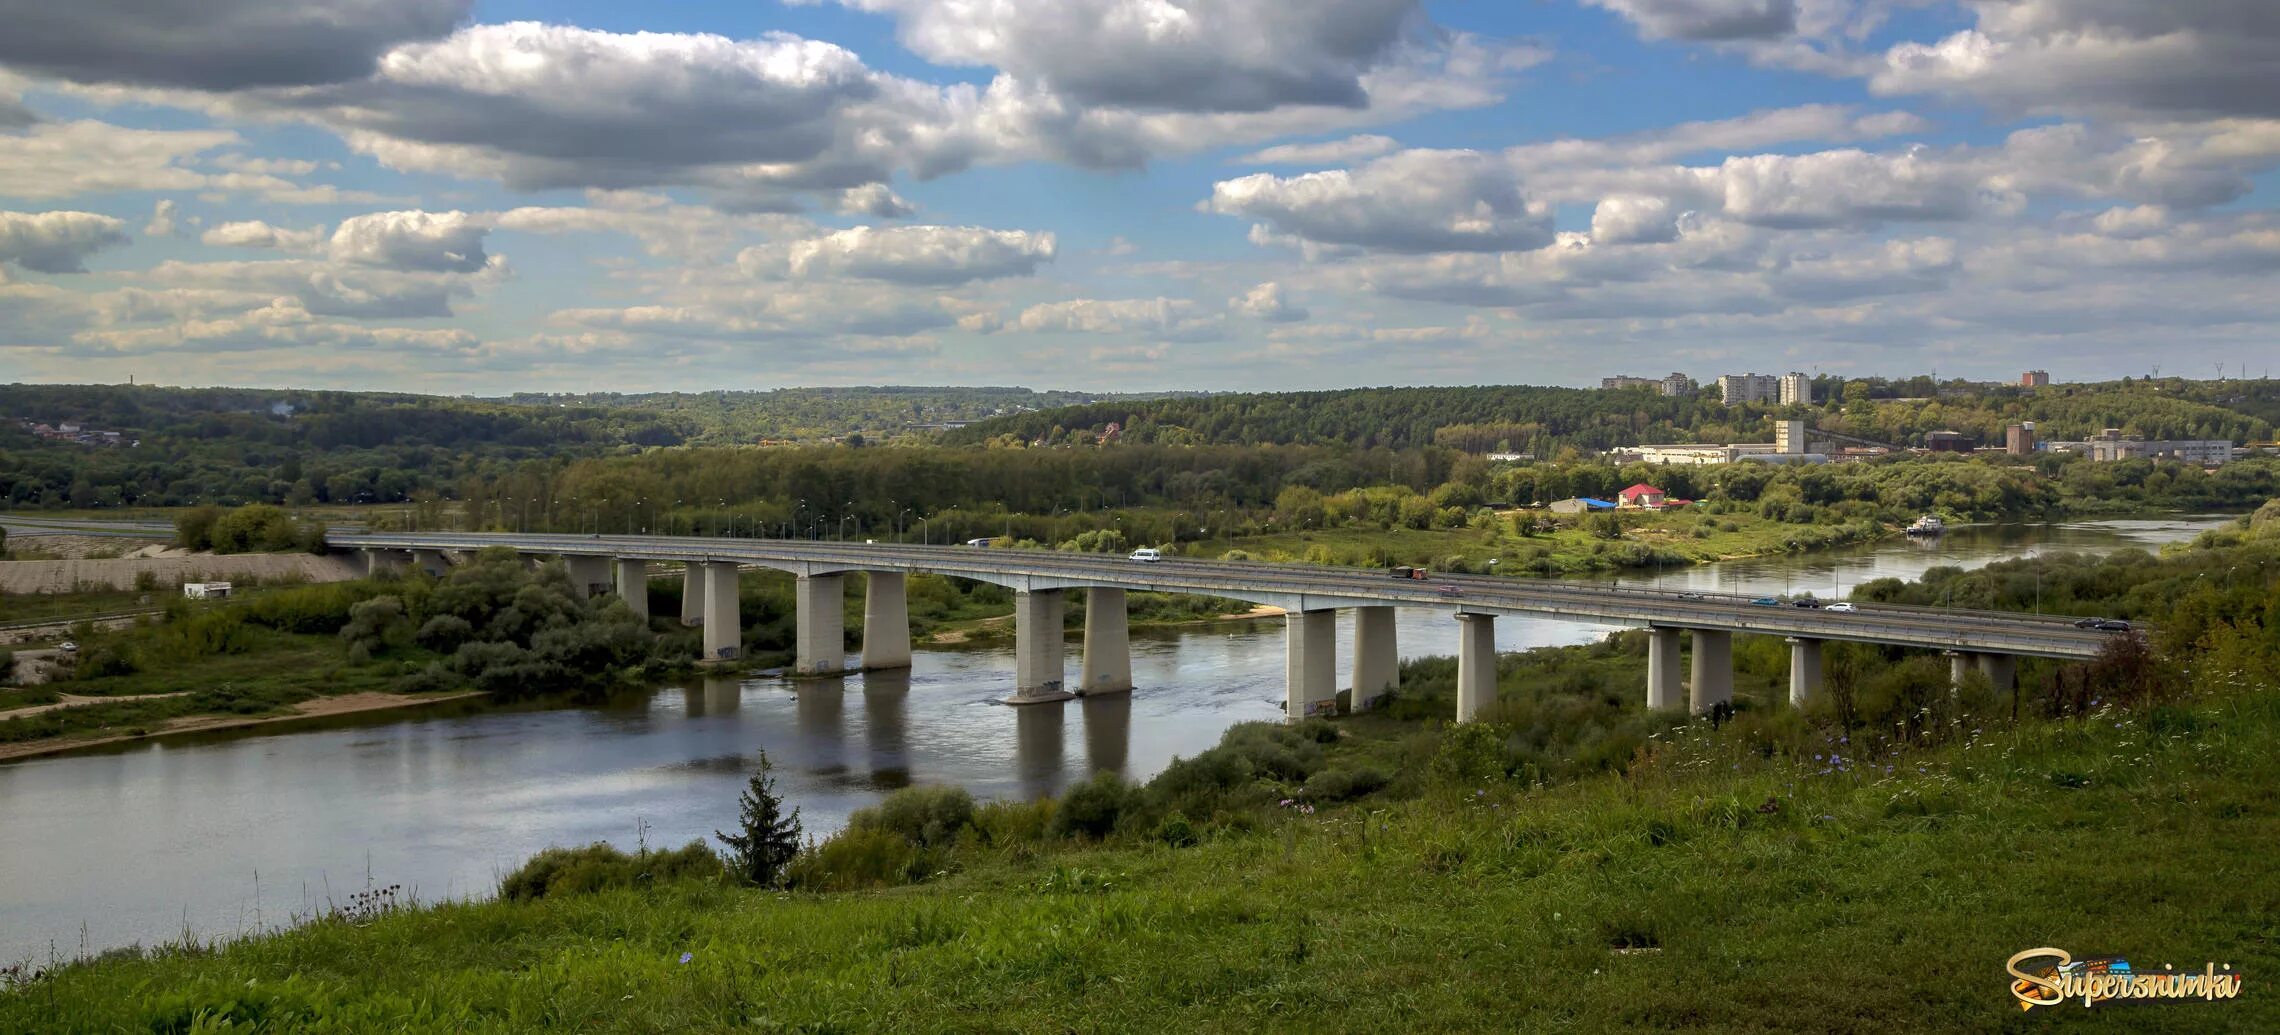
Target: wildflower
column 687, row 956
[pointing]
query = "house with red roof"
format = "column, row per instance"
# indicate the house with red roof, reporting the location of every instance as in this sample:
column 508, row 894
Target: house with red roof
column 1642, row 497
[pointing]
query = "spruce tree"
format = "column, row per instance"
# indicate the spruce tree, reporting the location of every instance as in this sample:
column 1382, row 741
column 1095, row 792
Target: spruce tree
column 767, row 838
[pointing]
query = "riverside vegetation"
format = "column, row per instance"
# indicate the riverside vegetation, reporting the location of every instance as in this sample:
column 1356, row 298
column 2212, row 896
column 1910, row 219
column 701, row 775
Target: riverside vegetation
column 1390, row 872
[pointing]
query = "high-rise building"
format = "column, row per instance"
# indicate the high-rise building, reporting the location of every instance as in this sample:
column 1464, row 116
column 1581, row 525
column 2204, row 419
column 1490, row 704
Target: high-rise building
column 1736, row 389
column 2034, row 379
column 1789, row 437
column 1677, row 384
column 1609, row 384
column 1796, row 388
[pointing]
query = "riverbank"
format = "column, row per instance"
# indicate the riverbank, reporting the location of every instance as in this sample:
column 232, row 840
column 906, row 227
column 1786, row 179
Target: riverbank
column 1709, row 887
column 316, row 708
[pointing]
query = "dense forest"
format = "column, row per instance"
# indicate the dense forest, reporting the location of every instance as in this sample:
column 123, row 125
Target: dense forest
column 226, row 445
column 1546, row 421
column 814, row 414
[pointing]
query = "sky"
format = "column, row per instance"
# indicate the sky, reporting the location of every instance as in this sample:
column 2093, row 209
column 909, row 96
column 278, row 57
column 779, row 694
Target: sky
column 487, row 196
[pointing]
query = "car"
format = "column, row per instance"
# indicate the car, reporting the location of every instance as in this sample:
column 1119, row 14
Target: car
column 1806, row 602
column 1148, row 554
column 2087, row 623
column 1766, row 602
column 2112, row 625
column 1448, row 590
column 1402, row 571
column 983, row 542
column 68, row 647
column 1691, row 596
column 1841, row 608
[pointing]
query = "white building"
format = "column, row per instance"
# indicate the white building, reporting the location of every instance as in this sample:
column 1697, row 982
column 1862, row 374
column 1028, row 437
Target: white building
column 1796, row 388
column 1736, row 389
column 205, row 590
column 1677, row 384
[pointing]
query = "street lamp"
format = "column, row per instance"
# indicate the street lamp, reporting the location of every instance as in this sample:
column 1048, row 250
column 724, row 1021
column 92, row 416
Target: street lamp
column 899, row 515
column 925, row 533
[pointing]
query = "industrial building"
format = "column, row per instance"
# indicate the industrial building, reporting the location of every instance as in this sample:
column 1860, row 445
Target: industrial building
column 1946, row 442
column 2109, row 445
column 2019, row 439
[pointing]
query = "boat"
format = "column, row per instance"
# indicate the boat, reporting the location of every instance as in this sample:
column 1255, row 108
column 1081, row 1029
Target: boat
column 1929, row 524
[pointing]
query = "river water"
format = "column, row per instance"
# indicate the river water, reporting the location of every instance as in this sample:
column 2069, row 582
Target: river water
column 219, row 834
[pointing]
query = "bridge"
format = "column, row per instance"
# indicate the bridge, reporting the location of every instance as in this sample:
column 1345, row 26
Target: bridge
column 1986, row 642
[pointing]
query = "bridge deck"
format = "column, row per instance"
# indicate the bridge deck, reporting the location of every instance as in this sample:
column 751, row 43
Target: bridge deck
column 1309, row 587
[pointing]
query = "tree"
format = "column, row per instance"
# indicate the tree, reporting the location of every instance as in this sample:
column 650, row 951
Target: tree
column 767, row 839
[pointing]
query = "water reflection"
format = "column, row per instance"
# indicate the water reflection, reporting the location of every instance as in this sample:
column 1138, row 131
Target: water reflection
column 141, row 840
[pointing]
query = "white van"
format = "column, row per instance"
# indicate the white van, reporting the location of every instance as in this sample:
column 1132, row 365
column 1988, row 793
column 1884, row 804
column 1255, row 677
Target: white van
column 1148, row 553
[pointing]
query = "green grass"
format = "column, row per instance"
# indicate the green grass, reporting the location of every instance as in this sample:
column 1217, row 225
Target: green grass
column 1707, row 889
column 34, row 607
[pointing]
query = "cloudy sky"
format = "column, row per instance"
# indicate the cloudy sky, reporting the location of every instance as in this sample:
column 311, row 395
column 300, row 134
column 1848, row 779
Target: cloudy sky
column 490, row 195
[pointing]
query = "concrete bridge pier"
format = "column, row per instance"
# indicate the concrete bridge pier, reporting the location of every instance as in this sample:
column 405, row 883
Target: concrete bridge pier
column 588, row 573
column 693, row 594
column 1476, row 664
column 1713, row 671
column 1038, row 649
column 633, row 585
column 1662, row 669
column 1107, row 665
column 724, row 625
column 1310, row 675
column 379, row 561
column 1960, row 666
column 886, row 621
column 1377, row 657
column 820, row 644
column 2001, row 670
column 431, row 561
column 1804, row 671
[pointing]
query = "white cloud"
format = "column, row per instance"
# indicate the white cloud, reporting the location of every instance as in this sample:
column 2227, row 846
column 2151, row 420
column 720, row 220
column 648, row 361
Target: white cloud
column 1156, row 317
column 2198, row 59
column 1150, row 55
column 56, row 242
column 1831, row 188
column 66, row 159
column 448, row 242
column 1331, row 152
column 325, row 288
column 874, row 200
column 1266, row 302
column 253, row 233
column 1415, row 201
column 1634, row 219
column 923, row 255
column 1707, row 19
column 161, row 219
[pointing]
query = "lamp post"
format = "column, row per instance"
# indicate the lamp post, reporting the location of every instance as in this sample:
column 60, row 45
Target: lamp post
column 925, row 534
column 899, row 516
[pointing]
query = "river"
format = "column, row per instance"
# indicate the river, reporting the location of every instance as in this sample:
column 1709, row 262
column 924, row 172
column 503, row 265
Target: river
column 221, row 833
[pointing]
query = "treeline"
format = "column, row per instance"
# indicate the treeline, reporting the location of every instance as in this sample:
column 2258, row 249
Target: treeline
column 813, row 414
column 1545, row 421
column 226, row 445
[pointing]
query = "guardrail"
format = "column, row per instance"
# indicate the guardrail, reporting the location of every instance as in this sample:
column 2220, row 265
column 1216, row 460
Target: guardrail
column 1999, row 632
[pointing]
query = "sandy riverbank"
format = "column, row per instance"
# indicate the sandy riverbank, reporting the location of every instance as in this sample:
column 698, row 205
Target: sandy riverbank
column 345, row 704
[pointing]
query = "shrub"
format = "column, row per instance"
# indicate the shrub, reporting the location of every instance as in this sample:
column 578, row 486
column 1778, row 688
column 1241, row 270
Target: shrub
column 1343, row 784
column 444, row 633
column 930, row 817
column 1014, row 822
column 1091, row 808
column 853, row 858
column 599, row 867
column 105, row 661
column 1471, row 753
column 1176, row 831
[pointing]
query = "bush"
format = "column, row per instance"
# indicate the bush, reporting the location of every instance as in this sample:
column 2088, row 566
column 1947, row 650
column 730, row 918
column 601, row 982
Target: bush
column 444, row 633
column 1176, row 831
column 103, row 662
column 1471, row 753
column 1344, row 784
column 1091, row 809
column 599, row 867
column 853, row 858
column 929, row 817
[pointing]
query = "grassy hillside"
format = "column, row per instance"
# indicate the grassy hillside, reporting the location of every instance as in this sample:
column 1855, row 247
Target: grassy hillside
column 1707, row 888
